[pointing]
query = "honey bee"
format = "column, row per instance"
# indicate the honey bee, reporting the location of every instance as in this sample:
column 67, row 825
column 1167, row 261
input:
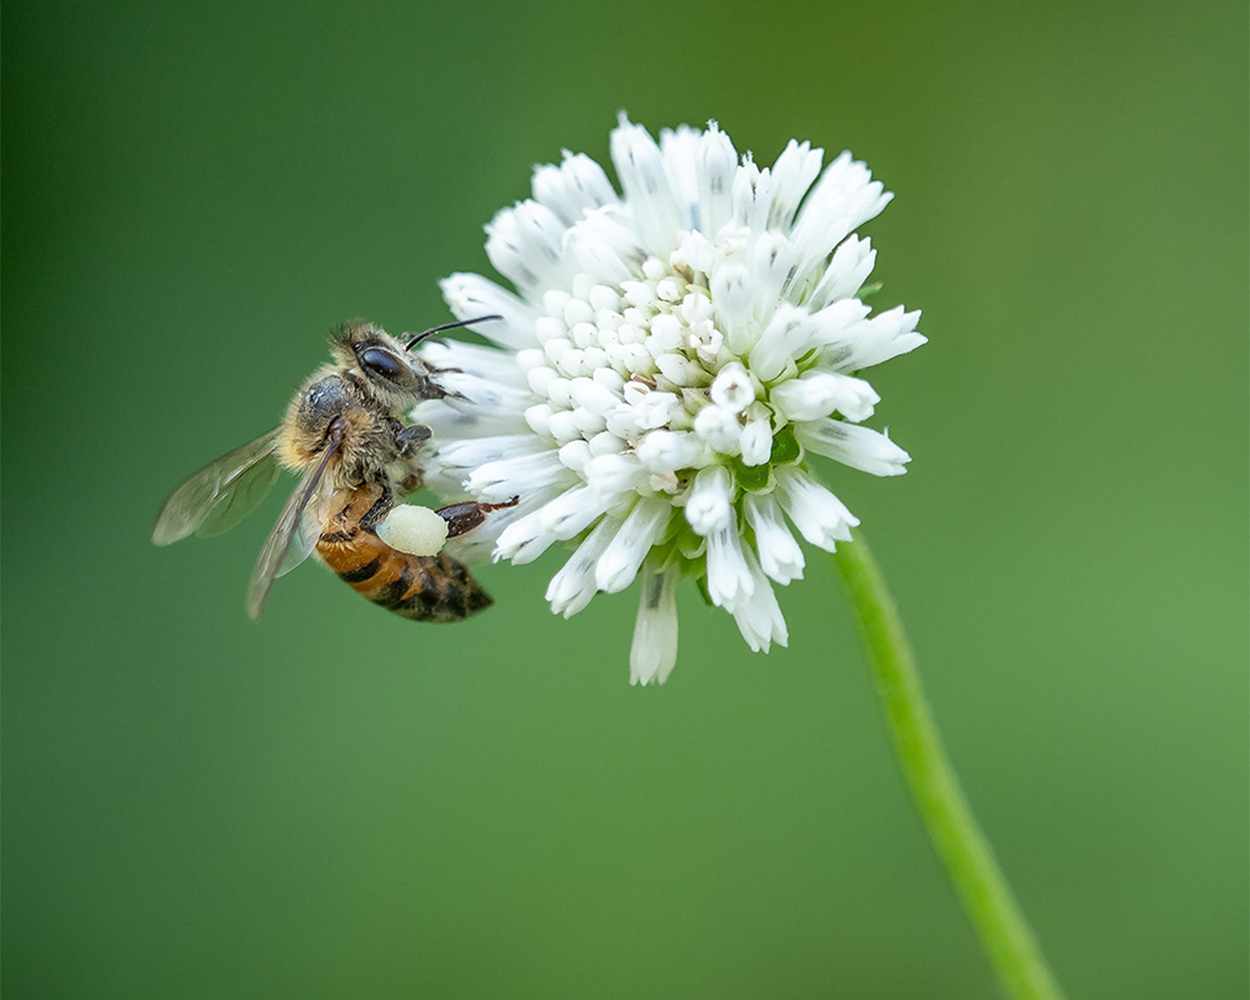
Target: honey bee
column 344, row 433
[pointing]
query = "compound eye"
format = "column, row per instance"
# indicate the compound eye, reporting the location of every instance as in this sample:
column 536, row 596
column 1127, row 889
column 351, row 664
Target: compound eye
column 378, row 361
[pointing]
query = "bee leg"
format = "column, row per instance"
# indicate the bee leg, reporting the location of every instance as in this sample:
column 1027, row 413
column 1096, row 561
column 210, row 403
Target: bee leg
column 464, row 517
column 429, row 389
column 410, row 438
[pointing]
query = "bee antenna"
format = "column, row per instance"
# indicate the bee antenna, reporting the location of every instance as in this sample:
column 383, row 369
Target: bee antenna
column 448, row 326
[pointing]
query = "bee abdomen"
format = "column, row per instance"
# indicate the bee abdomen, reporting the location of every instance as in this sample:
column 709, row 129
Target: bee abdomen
column 423, row 588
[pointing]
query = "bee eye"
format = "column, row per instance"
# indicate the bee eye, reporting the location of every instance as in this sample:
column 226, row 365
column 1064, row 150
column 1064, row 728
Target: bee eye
column 377, row 361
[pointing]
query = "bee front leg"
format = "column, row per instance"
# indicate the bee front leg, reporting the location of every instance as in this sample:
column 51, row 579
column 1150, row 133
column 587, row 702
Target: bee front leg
column 464, row 517
column 410, row 437
column 408, row 441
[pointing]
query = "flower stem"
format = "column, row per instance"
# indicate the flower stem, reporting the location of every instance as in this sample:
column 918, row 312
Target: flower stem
column 962, row 847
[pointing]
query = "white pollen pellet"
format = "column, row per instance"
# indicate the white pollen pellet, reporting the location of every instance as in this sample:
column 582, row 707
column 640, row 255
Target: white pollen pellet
column 418, row 531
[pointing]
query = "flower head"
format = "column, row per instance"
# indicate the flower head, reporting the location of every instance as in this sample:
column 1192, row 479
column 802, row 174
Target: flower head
column 671, row 355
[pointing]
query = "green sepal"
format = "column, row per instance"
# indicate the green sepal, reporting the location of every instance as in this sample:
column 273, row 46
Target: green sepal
column 785, row 447
column 752, row 477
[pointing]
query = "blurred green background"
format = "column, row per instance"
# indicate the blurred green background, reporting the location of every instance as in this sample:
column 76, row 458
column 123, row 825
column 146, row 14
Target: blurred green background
column 337, row 803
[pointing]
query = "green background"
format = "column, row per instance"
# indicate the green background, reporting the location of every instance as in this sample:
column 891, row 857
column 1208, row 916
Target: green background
column 337, row 803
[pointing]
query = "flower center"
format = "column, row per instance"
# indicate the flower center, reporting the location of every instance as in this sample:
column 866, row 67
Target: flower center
column 641, row 368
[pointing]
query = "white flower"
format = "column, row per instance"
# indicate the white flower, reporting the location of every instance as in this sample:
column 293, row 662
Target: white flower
column 670, row 356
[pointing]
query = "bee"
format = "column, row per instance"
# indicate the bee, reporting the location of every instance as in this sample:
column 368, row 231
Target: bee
column 343, row 432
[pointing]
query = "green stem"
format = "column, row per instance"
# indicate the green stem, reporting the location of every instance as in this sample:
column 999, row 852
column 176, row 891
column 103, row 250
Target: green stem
column 963, row 848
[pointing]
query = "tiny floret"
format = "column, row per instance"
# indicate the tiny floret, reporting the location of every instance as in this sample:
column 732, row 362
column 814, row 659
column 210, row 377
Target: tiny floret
column 669, row 359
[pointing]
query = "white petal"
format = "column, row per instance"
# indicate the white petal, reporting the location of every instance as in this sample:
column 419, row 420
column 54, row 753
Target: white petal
column 450, row 421
column 787, row 336
column 612, row 474
column 820, row 516
column 486, row 394
column 652, row 409
column 572, row 588
column 852, row 262
column 793, row 173
column 576, row 186
column 681, row 371
column 758, row 615
column 779, row 554
column 756, row 442
column 850, row 444
column 526, row 243
column 752, row 197
column 818, row 394
column 844, row 198
column 644, row 527
column 871, row 341
column 640, row 168
column 605, row 246
column 733, row 296
column 680, row 150
column 720, row 429
column 709, row 508
column 718, row 163
column 470, row 453
column 498, row 482
column 654, row 650
column 565, row 517
column 729, row 579
column 477, row 545
column 475, row 359
column 773, row 264
column 470, row 295
column 664, row 451
column 732, row 388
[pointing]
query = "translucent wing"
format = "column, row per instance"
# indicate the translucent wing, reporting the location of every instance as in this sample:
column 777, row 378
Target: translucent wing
column 293, row 537
column 221, row 494
column 303, row 543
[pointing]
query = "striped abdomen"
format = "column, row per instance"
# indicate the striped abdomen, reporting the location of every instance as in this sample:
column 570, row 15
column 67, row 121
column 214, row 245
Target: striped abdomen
column 424, row 588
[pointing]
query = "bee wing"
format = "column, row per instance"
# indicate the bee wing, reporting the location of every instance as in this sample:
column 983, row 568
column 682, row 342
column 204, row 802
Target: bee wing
column 292, row 537
column 302, row 544
column 221, row 494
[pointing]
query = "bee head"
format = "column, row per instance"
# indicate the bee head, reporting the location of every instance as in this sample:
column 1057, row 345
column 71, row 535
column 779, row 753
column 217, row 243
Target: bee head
column 396, row 374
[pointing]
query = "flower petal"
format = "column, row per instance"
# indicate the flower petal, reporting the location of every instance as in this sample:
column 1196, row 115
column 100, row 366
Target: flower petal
column 850, row 444
column 654, row 650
